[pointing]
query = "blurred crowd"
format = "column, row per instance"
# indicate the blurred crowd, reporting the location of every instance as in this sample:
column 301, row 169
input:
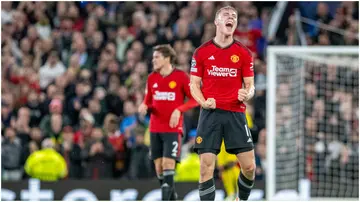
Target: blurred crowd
column 329, row 120
column 75, row 73
column 342, row 19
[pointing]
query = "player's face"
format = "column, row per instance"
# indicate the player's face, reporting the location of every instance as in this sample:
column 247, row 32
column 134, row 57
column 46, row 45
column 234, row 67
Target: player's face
column 226, row 21
column 159, row 61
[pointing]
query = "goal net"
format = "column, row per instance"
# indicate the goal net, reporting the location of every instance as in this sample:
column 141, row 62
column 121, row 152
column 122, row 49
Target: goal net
column 312, row 123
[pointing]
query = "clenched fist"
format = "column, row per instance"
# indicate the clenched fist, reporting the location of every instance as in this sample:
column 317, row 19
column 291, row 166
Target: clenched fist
column 210, row 103
column 242, row 95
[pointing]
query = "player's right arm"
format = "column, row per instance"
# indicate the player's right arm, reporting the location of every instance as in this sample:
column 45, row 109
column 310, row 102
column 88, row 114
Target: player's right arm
column 195, row 89
column 147, row 100
column 196, row 73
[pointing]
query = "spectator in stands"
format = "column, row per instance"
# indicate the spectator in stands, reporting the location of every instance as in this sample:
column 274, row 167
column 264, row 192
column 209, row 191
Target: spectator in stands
column 34, row 144
column 140, row 163
column 79, row 48
column 113, row 102
column 52, row 124
column 97, row 111
column 323, row 40
column 21, row 124
column 42, row 25
column 53, row 68
column 71, row 153
column 98, row 156
column 33, row 103
column 129, row 122
column 118, row 141
column 323, row 16
column 7, row 109
column 11, row 153
column 123, row 40
column 81, row 98
column 86, row 125
column 209, row 32
column 290, row 32
column 183, row 61
column 46, row 164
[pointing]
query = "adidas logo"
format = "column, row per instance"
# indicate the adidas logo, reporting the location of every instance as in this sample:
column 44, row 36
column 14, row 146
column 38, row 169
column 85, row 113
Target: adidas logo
column 211, row 58
column 155, row 85
column 249, row 140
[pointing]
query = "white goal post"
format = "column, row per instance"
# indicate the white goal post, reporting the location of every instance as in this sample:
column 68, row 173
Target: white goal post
column 296, row 134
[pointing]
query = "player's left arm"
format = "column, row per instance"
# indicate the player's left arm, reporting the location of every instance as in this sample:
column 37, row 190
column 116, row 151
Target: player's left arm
column 249, row 87
column 248, row 77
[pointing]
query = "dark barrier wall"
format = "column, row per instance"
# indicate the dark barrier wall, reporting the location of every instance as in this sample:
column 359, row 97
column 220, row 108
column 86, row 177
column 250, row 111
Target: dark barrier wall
column 114, row 190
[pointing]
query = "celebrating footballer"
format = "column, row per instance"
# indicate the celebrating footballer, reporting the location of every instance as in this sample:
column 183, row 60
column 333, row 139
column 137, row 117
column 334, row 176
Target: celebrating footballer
column 219, row 69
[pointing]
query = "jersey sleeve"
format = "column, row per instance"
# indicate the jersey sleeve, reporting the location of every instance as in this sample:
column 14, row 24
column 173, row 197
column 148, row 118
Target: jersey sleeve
column 148, row 94
column 197, row 68
column 247, row 65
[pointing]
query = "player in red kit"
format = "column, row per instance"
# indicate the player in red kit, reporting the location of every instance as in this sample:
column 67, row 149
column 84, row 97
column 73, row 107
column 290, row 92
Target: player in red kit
column 166, row 90
column 222, row 65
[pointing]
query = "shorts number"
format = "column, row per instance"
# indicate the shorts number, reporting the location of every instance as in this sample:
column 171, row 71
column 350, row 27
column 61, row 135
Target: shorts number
column 175, row 149
column 247, row 131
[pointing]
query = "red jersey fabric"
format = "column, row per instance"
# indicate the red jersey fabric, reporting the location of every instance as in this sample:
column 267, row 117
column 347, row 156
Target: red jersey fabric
column 222, row 71
column 165, row 94
column 248, row 38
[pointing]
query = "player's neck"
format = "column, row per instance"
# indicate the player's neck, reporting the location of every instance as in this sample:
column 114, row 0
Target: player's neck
column 222, row 40
column 165, row 71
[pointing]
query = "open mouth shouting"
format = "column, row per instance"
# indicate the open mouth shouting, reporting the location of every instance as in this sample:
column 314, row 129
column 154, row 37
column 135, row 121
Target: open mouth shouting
column 229, row 24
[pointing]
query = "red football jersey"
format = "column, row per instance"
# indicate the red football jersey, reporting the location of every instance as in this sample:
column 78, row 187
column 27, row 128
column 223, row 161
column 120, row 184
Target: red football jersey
column 222, row 71
column 164, row 95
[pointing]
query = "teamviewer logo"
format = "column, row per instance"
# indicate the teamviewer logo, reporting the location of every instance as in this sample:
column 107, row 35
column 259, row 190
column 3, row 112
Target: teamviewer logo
column 222, row 71
column 167, row 96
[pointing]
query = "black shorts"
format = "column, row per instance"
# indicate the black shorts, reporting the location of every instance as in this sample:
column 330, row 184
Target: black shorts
column 165, row 145
column 216, row 124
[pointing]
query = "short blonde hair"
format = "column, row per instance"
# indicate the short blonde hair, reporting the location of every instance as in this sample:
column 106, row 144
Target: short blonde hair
column 225, row 8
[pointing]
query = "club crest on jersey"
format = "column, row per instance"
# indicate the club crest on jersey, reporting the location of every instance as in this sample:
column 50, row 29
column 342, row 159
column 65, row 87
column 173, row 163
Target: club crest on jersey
column 172, row 84
column 199, row 140
column 234, row 58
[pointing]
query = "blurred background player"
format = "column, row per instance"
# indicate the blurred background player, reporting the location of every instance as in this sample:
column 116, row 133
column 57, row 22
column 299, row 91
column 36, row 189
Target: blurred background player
column 46, row 164
column 229, row 170
column 222, row 65
column 165, row 93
